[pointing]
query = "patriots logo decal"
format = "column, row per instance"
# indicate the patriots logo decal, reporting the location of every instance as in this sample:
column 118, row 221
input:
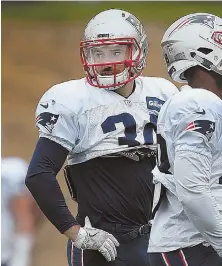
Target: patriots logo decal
column 204, row 19
column 47, row 120
column 205, row 127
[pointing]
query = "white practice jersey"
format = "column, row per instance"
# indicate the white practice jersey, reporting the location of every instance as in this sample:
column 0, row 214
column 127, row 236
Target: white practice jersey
column 13, row 173
column 191, row 124
column 92, row 122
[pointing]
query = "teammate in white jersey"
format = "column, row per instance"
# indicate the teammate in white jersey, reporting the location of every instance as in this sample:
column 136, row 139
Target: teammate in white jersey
column 187, row 228
column 17, row 214
column 105, row 124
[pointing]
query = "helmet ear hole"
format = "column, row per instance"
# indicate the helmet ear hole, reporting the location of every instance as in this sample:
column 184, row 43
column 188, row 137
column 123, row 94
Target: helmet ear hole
column 204, row 50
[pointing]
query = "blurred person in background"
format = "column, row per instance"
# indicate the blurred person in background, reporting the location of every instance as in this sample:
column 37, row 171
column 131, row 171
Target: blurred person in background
column 19, row 214
column 105, row 125
column 187, row 228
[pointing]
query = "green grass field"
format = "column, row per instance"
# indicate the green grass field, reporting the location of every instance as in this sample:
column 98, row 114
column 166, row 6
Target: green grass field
column 162, row 12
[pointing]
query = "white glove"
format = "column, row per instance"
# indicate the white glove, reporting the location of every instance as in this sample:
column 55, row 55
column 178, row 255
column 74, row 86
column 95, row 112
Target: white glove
column 96, row 239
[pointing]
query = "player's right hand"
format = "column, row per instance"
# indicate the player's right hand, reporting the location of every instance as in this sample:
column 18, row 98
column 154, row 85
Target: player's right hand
column 96, row 239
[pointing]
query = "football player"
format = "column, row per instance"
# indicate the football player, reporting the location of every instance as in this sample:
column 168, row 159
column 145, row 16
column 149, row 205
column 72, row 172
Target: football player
column 104, row 124
column 19, row 214
column 187, row 228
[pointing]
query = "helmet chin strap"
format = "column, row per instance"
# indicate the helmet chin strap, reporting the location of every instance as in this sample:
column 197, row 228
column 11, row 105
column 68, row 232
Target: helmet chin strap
column 114, row 88
column 121, row 77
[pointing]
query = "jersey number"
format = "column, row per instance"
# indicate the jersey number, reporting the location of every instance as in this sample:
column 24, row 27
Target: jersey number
column 129, row 123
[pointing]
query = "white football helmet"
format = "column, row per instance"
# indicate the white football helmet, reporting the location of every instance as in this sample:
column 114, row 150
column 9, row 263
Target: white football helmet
column 192, row 40
column 112, row 28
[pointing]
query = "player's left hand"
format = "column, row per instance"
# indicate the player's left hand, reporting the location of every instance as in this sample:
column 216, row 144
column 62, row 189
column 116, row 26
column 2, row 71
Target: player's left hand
column 97, row 239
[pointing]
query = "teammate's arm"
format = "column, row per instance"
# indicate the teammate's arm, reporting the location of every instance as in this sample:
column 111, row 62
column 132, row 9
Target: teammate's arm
column 192, row 173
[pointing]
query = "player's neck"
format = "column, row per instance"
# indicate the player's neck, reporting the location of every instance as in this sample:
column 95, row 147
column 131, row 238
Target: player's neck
column 219, row 93
column 206, row 82
column 126, row 90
